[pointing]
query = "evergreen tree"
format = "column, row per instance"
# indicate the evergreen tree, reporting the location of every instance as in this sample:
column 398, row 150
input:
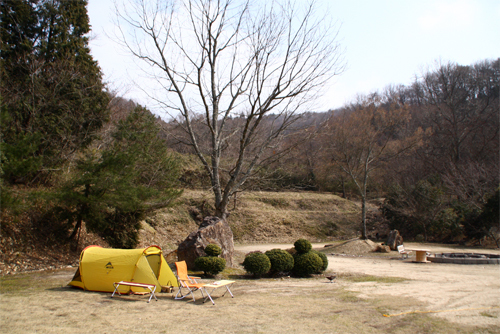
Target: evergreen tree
column 486, row 223
column 51, row 88
column 114, row 188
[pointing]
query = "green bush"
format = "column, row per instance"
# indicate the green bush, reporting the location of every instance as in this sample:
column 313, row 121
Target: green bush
column 281, row 260
column 307, row 264
column 213, row 250
column 257, row 263
column 302, row 246
column 324, row 259
column 211, row 265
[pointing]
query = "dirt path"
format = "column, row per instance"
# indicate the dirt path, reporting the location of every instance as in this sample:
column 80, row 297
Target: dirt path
column 472, row 289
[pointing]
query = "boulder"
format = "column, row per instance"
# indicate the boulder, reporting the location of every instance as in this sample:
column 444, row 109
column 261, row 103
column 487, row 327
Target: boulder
column 394, row 240
column 212, row 230
column 382, row 249
column 171, row 257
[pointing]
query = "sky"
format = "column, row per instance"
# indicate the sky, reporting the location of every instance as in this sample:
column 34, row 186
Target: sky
column 385, row 42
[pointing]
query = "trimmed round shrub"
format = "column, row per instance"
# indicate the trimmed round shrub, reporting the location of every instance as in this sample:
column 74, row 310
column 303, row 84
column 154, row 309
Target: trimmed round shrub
column 324, row 259
column 211, row 265
column 302, row 246
column 281, row 260
column 213, row 250
column 257, row 263
column 201, row 263
column 307, row 264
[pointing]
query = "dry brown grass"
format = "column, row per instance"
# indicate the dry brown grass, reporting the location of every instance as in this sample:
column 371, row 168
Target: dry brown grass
column 263, row 217
column 41, row 303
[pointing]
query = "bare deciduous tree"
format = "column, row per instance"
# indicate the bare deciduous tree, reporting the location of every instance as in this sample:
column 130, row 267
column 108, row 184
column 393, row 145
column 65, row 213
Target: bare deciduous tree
column 365, row 138
column 213, row 60
column 461, row 105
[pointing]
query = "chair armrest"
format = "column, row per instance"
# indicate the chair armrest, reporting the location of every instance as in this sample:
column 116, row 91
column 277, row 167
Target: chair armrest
column 190, row 280
column 185, row 282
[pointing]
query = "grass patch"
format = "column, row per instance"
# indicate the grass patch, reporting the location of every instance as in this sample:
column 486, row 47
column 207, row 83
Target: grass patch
column 231, row 273
column 275, row 202
column 347, row 296
column 16, row 283
column 36, row 281
column 371, row 278
column 428, row 324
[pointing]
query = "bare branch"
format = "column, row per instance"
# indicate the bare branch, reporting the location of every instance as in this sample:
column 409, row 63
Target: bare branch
column 228, row 58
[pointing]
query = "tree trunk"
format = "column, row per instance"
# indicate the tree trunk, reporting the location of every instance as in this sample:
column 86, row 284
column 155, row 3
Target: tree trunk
column 363, row 218
column 221, row 208
column 343, row 188
column 425, row 230
column 235, row 199
column 83, row 208
column 76, row 229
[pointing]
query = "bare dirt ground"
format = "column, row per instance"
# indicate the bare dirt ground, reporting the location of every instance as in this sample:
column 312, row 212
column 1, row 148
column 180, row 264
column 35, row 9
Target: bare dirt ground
column 42, row 303
column 464, row 292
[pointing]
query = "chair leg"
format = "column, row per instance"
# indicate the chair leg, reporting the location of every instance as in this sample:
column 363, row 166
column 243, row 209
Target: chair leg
column 190, row 292
column 182, row 296
column 177, row 295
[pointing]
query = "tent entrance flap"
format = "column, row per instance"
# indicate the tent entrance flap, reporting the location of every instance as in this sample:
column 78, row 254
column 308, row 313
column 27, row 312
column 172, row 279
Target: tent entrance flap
column 77, row 277
column 155, row 263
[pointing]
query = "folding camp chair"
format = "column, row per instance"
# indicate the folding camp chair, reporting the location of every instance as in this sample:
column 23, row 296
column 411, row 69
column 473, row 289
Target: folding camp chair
column 187, row 282
column 404, row 253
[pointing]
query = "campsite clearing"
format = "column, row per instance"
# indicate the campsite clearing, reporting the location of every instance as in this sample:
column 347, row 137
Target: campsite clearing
column 366, row 288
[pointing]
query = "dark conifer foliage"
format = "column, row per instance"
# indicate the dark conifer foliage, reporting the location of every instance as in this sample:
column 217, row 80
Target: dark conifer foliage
column 114, row 187
column 52, row 91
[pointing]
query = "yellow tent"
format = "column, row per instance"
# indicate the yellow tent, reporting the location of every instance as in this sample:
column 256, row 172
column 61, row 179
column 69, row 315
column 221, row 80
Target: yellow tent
column 101, row 267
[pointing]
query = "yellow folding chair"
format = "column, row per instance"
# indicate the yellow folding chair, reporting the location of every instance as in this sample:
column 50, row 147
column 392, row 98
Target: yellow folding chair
column 187, row 282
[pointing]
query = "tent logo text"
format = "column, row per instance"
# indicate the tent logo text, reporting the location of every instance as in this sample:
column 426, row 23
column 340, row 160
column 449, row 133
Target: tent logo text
column 109, row 265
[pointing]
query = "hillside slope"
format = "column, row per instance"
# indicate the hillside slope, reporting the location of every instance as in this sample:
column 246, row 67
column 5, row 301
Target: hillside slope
column 256, row 217
column 259, row 217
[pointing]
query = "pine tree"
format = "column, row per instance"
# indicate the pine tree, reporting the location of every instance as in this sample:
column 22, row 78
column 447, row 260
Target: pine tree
column 51, row 87
column 116, row 187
